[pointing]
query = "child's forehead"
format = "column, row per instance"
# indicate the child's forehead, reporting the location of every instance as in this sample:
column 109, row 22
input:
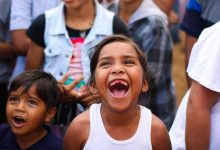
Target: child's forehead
column 119, row 44
column 118, row 48
column 23, row 90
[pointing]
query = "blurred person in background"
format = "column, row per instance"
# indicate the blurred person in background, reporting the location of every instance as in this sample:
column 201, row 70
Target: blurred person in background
column 6, row 55
column 199, row 14
column 23, row 12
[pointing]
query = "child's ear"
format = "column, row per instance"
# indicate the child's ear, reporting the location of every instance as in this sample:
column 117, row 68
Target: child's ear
column 93, row 89
column 51, row 112
column 145, row 86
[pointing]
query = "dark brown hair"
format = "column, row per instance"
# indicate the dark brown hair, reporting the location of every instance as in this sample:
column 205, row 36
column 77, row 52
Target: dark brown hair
column 46, row 85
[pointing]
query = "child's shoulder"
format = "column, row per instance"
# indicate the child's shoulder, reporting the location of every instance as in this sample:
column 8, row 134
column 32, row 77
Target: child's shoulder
column 157, row 125
column 159, row 134
column 49, row 141
column 82, row 120
column 4, row 128
column 78, row 130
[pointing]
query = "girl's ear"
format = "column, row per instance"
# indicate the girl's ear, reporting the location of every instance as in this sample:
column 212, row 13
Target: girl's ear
column 51, row 112
column 145, row 86
column 93, row 89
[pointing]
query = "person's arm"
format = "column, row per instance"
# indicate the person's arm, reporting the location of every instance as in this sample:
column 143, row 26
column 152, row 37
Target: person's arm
column 37, row 45
column 6, row 50
column 159, row 135
column 200, row 103
column 35, row 52
column 77, row 132
column 20, row 42
column 165, row 5
column 20, row 20
column 192, row 24
column 189, row 42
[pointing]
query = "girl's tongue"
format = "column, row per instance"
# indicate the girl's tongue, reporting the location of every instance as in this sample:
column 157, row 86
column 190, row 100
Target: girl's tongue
column 118, row 88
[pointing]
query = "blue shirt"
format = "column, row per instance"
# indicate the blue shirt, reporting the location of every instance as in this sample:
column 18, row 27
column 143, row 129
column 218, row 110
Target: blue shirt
column 199, row 15
column 48, row 142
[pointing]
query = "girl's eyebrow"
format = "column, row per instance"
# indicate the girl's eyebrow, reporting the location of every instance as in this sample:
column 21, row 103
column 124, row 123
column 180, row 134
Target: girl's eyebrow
column 110, row 57
column 130, row 56
column 104, row 58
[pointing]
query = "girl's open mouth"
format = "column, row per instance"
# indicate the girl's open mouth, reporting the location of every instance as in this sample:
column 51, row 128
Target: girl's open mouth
column 118, row 88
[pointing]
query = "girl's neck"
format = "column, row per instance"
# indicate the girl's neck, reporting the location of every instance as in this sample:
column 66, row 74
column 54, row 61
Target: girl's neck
column 127, row 9
column 121, row 126
column 119, row 118
column 81, row 18
column 28, row 140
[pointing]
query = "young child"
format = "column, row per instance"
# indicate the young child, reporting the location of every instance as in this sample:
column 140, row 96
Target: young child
column 31, row 104
column 119, row 75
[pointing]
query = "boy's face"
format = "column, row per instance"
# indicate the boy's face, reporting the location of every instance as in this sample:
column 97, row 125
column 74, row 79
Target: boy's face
column 26, row 113
column 119, row 76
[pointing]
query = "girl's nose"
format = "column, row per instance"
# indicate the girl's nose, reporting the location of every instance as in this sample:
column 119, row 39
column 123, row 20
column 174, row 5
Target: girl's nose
column 117, row 69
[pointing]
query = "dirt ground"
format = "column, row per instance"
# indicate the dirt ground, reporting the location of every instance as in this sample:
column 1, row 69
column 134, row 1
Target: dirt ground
column 178, row 70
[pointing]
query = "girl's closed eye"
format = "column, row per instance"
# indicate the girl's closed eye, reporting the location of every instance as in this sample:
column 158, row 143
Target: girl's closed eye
column 129, row 61
column 105, row 64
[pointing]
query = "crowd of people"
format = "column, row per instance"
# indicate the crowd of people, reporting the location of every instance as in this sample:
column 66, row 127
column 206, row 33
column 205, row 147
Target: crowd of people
column 89, row 74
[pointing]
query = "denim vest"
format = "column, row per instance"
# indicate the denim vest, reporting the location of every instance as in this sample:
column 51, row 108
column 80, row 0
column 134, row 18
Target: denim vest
column 59, row 48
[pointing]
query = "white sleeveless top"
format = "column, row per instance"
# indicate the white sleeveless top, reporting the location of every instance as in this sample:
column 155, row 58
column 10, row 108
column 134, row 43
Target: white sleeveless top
column 99, row 139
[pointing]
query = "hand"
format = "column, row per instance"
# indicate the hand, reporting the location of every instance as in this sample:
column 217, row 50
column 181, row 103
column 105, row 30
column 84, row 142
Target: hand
column 83, row 96
column 88, row 98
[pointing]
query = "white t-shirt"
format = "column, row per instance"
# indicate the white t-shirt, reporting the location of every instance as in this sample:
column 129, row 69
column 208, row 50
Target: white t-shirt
column 204, row 67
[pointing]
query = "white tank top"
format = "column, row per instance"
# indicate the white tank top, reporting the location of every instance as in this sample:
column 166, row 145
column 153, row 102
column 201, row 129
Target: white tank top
column 99, row 139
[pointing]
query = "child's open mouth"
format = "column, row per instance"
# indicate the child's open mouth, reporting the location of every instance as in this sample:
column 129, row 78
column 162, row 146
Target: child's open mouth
column 18, row 121
column 118, row 88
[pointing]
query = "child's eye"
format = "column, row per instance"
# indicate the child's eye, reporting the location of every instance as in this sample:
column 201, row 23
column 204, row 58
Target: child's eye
column 32, row 102
column 129, row 62
column 105, row 64
column 13, row 99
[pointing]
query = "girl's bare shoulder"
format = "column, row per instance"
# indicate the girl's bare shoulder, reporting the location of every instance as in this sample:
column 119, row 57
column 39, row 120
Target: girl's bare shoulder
column 78, row 130
column 159, row 134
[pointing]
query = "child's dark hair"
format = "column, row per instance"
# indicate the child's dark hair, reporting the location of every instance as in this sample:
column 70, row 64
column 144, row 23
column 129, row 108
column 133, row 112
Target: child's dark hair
column 46, row 85
column 117, row 38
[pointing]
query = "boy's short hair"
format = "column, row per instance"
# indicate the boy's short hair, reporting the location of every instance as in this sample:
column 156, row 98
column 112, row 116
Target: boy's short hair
column 47, row 87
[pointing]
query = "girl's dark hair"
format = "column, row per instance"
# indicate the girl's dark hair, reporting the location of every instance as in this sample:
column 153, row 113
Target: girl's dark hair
column 47, row 87
column 94, row 55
